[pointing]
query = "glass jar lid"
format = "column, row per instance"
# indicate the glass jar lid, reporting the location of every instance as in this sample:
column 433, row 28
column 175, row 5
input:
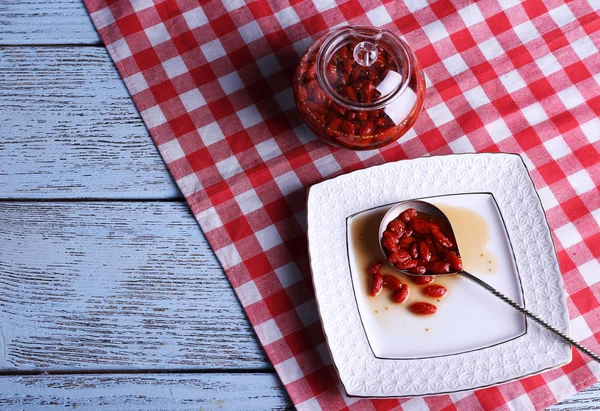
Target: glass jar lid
column 363, row 68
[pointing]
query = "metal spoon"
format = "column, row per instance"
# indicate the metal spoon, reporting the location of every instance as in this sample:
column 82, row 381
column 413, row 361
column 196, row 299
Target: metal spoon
column 424, row 207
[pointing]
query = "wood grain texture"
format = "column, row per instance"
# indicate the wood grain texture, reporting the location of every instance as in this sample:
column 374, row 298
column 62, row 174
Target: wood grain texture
column 214, row 391
column 586, row 400
column 46, row 22
column 69, row 129
column 130, row 392
column 119, row 285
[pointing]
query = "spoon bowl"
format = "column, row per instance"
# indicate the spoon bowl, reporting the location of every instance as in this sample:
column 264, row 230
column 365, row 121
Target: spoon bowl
column 421, row 207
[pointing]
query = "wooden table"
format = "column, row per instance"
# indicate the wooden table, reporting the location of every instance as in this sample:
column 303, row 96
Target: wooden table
column 110, row 297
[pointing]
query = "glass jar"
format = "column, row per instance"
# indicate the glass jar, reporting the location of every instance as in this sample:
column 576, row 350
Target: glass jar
column 359, row 87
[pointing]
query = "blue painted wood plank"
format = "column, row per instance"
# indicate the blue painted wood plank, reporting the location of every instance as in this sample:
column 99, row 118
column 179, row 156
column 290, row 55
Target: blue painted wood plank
column 131, row 392
column 46, row 22
column 115, row 286
column 68, row 129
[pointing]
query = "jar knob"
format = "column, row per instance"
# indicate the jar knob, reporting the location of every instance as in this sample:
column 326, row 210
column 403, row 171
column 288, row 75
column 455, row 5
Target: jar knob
column 365, row 53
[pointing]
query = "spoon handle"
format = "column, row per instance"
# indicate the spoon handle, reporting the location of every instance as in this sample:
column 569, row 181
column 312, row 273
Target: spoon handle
column 530, row 315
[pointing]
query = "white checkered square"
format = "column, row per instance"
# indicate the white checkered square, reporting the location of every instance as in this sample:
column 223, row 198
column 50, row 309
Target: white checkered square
column 248, row 201
column 562, row 387
column 512, row 81
column 579, row 329
column 584, row 47
column 568, row 235
column 157, row 34
column 581, row 182
column 416, row 403
column 119, row 50
column 213, row 50
column 461, row 145
column 268, row 65
column 288, row 274
column 522, row 402
column 507, row 4
column 211, row 133
column 210, row 219
column 414, row 5
column 249, row 116
column 548, row 64
column 557, row 147
column 379, row 16
column 562, row 15
column 324, row 5
column 189, row 184
column 268, row 332
column 231, row 83
column 455, row 64
column 591, row 129
column 195, row 18
column 250, row 32
column 248, row 292
column 547, row 197
column 229, row 167
column 136, row 83
column 526, row 32
column 435, row 31
column 590, row 272
column 367, row 154
column 305, row 134
column 308, row 313
column 571, row 97
column 268, row 237
column 141, row 4
column 457, row 396
column 268, row 149
column 440, row 114
column 102, row 18
column 231, row 5
column 498, row 130
column 534, row 114
column 327, row 165
column 285, row 99
column 527, row 162
column 309, row 405
column 476, row 97
column 192, row 99
column 410, row 134
column 287, row 17
column 288, row 182
column 175, row 67
column 491, row 48
column 154, row 116
column 347, row 400
column 289, row 371
column 171, row 151
column 471, row 15
column 301, row 45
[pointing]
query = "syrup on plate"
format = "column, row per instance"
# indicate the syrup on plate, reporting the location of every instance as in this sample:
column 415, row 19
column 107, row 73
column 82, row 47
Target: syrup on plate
column 472, row 235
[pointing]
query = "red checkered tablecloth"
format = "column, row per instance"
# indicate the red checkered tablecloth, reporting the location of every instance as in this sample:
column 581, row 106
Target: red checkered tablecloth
column 212, row 82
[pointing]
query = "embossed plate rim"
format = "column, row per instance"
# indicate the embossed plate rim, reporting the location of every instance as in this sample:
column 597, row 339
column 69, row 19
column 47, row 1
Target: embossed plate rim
column 363, row 375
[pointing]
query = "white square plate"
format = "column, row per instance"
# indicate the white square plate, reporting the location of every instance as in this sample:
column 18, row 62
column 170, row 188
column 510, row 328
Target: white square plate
column 475, row 340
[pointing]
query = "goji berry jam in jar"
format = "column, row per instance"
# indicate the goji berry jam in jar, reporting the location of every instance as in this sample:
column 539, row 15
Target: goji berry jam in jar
column 359, row 87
